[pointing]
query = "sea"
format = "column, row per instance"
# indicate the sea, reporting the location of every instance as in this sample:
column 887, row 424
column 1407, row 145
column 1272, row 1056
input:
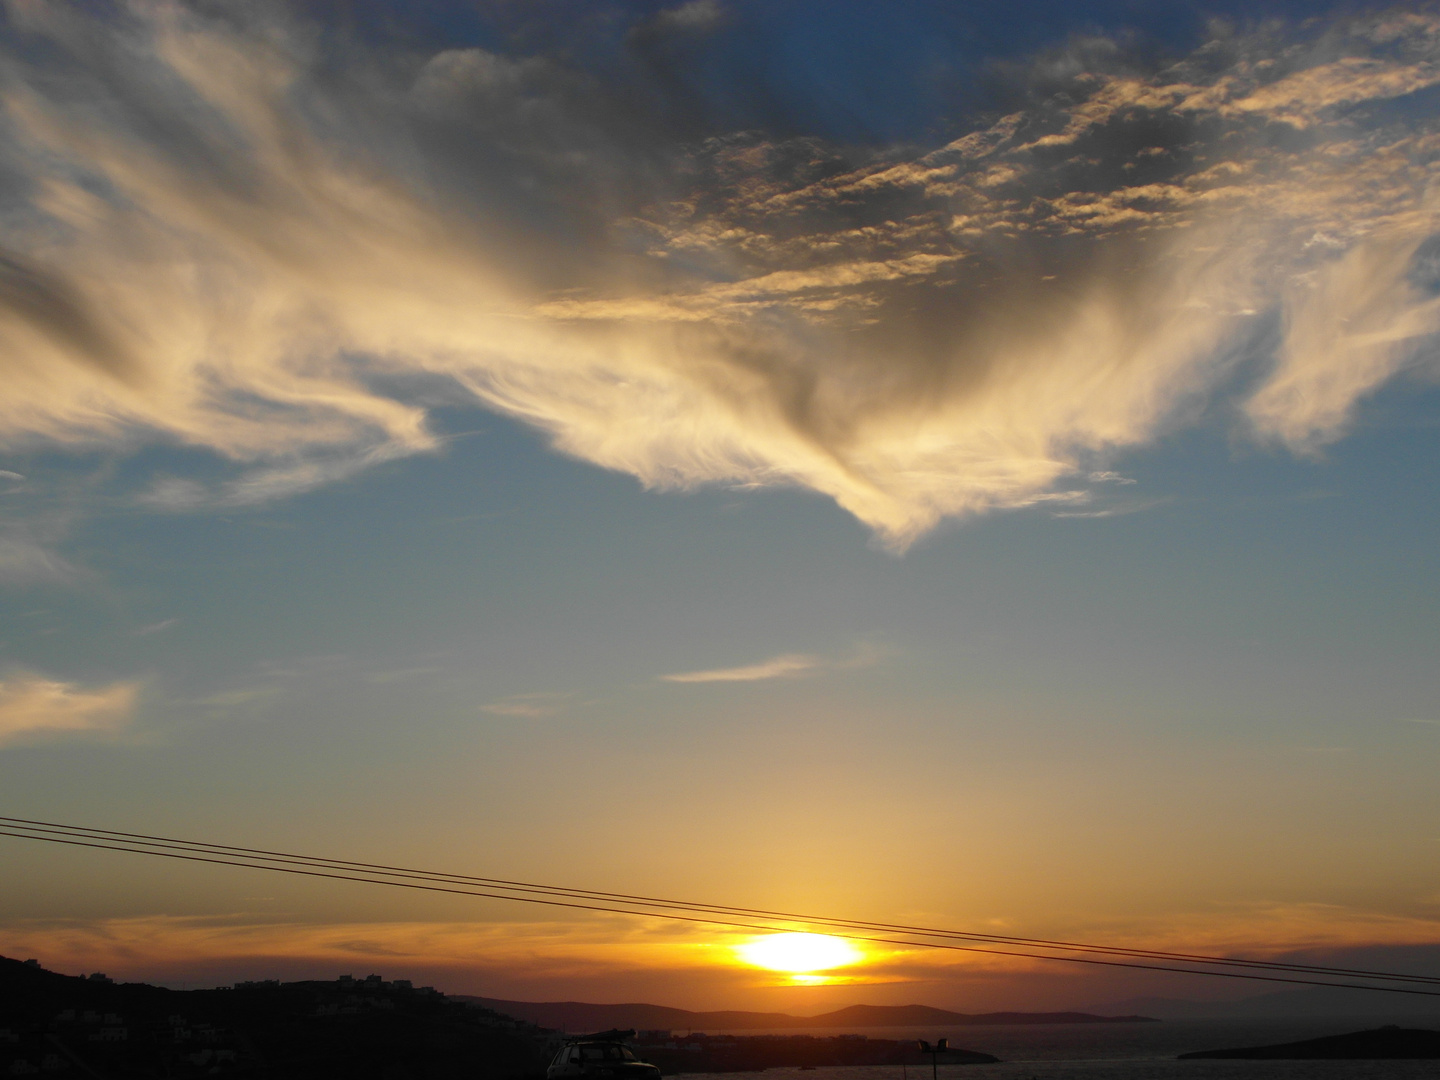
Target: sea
column 1116, row 1052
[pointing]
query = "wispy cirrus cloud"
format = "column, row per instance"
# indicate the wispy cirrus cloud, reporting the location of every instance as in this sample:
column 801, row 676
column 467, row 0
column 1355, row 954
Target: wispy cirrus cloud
column 231, row 699
column 395, row 675
column 26, row 559
column 155, row 628
column 240, row 235
column 33, row 708
column 532, row 706
column 786, row 666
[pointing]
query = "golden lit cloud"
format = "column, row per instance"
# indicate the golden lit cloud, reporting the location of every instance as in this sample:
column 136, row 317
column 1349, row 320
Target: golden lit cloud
column 221, row 236
column 32, row 707
column 695, row 963
column 591, row 950
column 787, row 666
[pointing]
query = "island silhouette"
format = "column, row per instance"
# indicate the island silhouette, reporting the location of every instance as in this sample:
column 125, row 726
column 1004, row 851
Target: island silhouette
column 1378, row 1044
column 585, row 1016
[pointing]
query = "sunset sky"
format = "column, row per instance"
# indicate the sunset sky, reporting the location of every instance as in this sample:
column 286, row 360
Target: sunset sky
column 960, row 464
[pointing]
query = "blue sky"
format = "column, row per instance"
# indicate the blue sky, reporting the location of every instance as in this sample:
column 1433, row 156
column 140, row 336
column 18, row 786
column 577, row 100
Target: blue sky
column 939, row 465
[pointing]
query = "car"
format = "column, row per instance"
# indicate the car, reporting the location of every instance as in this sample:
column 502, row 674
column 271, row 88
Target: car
column 601, row 1056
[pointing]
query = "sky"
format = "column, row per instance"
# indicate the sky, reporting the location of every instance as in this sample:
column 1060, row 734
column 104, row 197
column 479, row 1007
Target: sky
column 965, row 465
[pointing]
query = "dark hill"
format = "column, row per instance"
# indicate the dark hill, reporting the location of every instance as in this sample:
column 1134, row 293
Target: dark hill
column 349, row 1029
column 584, row 1016
column 926, row 1016
column 1380, row 1044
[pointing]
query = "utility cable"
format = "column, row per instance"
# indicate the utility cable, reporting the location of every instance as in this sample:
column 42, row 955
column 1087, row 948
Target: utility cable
column 813, row 920
column 619, row 903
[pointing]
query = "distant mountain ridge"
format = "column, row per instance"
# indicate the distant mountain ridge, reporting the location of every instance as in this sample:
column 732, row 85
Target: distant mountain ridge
column 1392, row 1043
column 1312, row 1003
column 584, row 1016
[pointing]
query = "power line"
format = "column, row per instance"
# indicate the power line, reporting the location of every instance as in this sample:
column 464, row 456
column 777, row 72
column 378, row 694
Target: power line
column 696, row 913
column 509, row 885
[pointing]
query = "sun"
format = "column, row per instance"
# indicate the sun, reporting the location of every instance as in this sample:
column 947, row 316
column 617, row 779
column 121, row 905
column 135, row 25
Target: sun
column 800, row 955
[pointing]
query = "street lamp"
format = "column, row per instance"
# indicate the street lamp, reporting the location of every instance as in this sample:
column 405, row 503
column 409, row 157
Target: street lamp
column 934, row 1052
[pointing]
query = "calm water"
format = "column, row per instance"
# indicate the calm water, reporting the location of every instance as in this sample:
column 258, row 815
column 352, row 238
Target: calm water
column 1121, row 1052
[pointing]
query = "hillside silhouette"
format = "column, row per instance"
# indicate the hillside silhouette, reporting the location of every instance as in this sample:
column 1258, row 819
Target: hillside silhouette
column 86, row 1027
column 1381, row 1044
column 585, row 1016
column 357, row 1029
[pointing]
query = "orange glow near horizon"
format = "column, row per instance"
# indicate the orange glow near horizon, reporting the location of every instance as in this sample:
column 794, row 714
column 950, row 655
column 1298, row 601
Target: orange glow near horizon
column 800, row 956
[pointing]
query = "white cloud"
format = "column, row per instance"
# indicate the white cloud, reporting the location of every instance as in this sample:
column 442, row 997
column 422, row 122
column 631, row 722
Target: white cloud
column 28, row 559
column 23, row 560
column 400, row 674
column 34, row 707
column 529, row 706
column 155, row 628
column 1351, row 325
column 528, row 709
column 229, row 699
column 1123, row 509
column 692, row 16
column 787, row 666
column 218, row 234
